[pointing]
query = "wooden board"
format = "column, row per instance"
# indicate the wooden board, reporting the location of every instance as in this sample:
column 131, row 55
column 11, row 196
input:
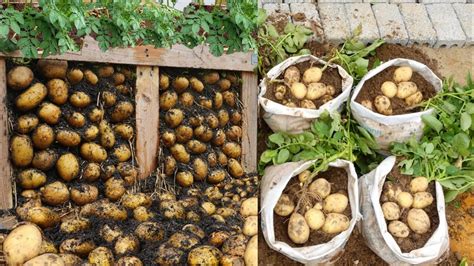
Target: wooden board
column 6, row 195
column 147, row 118
column 177, row 56
column 249, row 121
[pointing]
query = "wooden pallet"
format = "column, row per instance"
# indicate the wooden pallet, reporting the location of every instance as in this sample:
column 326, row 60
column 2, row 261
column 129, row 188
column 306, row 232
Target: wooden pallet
column 148, row 61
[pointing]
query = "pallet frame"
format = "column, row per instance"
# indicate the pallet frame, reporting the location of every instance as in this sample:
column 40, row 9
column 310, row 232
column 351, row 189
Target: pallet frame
column 148, row 60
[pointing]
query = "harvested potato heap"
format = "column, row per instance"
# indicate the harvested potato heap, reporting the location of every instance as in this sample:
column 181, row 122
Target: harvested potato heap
column 323, row 211
column 304, row 90
column 200, row 124
column 400, row 87
column 405, row 210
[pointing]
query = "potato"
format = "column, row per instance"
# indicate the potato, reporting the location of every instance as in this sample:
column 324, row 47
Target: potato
column 31, row 98
column 172, row 209
column 108, row 171
column 55, row 193
column 77, row 246
column 31, row 178
column 125, row 131
column 112, row 211
column 91, row 133
column 122, row 111
column 57, row 91
column 196, row 85
column 91, row 172
column 124, row 89
column 194, row 229
column 398, row 229
column 389, row 89
column 403, row 73
column 299, row 90
column 212, row 121
column 122, row 153
column 405, row 89
column 225, row 212
column 235, row 169
column 185, row 179
column 74, row 225
column 422, row 200
column 251, row 252
column 49, row 259
column 168, row 100
column 21, row 149
column 19, row 77
column 232, row 149
column 312, row 74
column 107, row 137
column 321, row 188
column 383, row 105
column 186, row 99
column 29, row 194
column 150, row 231
column 180, row 154
column 336, row 202
column 105, row 71
column 42, row 216
column 110, row 233
column 307, row 104
column 22, row 244
column 196, row 147
column 414, row 99
column 101, row 256
column 168, row 255
column 250, row 226
column 391, row 211
column 118, row 78
column 223, row 117
column 183, row 134
column 213, row 193
column 208, row 207
column 84, row 194
column 418, row 221
column 96, row 115
column 114, row 188
column 211, row 78
column 170, row 165
column 183, row 240
column 93, row 152
column 218, row 238
column 180, row 84
column 335, row 223
column 234, row 133
column 129, row 261
column 405, row 200
column 224, row 84
column 68, row 138
column 200, row 169
column 235, row 117
column 174, row 117
column 249, row 207
column 26, row 123
column 418, row 184
column 292, row 75
column 70, row 259
column 42, row 137
column 314, row 218
column 367, row 104
column 108, row 98
column 164, row 82
column 76, row 120
column 390, row 192
column 218, row 101
column 298, row 229
column 216, row 176
column 80, row 99
column 47, row 246
column 91, row 77
column 229, row 98
column 67, row 166
column 51, row 69
column 284, row 206
column 204, row 255
column 75, row 76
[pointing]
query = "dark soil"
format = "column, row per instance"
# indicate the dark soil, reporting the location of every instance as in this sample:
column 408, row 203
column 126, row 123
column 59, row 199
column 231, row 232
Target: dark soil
column 338, row 179
column 372, row 89
column 318, row 49
column 330, row 77
column 414, row 241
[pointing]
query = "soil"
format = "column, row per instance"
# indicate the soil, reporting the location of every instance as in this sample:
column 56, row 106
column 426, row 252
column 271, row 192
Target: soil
column 414, row 240
column 330, row 77
column 338, row 179
column 372, row 89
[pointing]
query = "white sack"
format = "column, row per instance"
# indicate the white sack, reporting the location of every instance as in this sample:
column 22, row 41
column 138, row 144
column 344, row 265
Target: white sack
column 281, row 118
column 272, row 185
column 387, row 129
column 374, row 226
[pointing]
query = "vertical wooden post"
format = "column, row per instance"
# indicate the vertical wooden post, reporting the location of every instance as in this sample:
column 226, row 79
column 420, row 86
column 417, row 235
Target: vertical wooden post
column 147, row 119
column 249, row 121
column 6, row 193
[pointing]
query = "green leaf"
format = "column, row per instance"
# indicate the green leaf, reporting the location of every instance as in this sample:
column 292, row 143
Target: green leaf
column 272, row 31
column 267, row 156
column 461, row 143
column 432, row 122
column 290, row 27
column 429, row 148
column 276, row 138
column 465, row 121
column 470, row 108
column 283, row 156
column 4, row 29
column 450, row 195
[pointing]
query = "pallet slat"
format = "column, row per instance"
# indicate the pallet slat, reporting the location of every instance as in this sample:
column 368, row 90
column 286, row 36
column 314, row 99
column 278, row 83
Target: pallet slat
column 249, row 123
column 147, row 118
column 6, row 195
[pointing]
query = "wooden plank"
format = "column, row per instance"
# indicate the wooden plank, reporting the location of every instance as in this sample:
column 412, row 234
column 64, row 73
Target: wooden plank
column 6, row 195
column 177, row 56
column 249, row 121
column 147, row 118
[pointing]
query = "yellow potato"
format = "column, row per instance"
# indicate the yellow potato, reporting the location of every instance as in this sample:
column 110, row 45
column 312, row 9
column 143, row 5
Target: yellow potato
column 402, row 74
column 414, row 99
column 106, row 71
column 26, row 123
column 91, row 133
column 42, row 216
column 418, row 221
column 31, row 178
column 49, row 259
column 93, row 152
column 172, row 209
column 22, row 244
column 196, row 85
column 122, row 153
column 114, row 188
column 419, row 184
column 51, row 69
column 49, row 113
column 186, row 99
column 184, row 179
column 235, row 169
column 229, row 98
column 218, row 101
column 250, row 226
column 389, row 89
column 74, row 225
column 84, row 194
column 204, row 255
column 405, row 200
column 164, row 82
column 44, row 160
column 55, row 193
column 174, row 117
column 96, row 115
column 135, row 200
column 224, row 84
column 43, row 136
column 19, row 77
column 298, row 229
column 292, row 75
column 77, row 246
column 75, row 76
column 398, row 229
column 314, row 218
column 406, row 89
column 422, row 200
column 284, row 206
column 67, row 166
column 168, row 100
column 101, row 256
column 200, row 169
column 391, row 211
column 335, row 223
column 312, row 74
column 91, row 77
column 232, row 150
column 129, row 261
column 383, row 105
column 107, row 137
column 80, row 99
column 336, row 202
column 299, row 90
column 180, row 154
column 125, row 131
column 216, row 176
column 126, row 244
column 58, row 91
column 211, row 78
column 170, row 165
column 122, row 111
column 118, row 78
column 68, row 138
column 315, row 91
column 142, row 214
column 110, row 233
column 180, row 84
column 76, row 120
column 108, row 98
column 21, row 149
column 196, row 147
column 320, row 187
column 91, row 172
column 31, row 98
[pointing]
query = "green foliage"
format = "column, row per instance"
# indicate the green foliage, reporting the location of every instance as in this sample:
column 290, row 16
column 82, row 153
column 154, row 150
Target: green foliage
column 446, row 151
column 57, row 26
column 274, row 46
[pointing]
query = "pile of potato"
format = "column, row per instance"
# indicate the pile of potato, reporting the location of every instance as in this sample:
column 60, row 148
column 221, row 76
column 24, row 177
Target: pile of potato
column 401, row 87
column 395, row 202
column 304, row 89
column 325, row 214
column 200, row 127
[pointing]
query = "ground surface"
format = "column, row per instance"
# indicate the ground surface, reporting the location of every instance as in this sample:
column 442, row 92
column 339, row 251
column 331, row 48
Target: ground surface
column 455, row 62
